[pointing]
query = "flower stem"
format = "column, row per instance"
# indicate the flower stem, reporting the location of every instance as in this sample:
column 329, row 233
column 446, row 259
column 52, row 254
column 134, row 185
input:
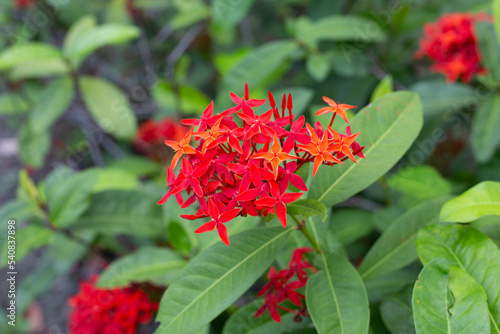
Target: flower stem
column 302, row 227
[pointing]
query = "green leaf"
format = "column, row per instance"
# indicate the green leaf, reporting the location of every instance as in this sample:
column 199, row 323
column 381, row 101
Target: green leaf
column 307, row 208
column 378, row 288
column 12, row 103
column 187, row 100
column 52, row 102
column 38, row 69
column 438, row 96
column 69, row 198
column 480, row 200
column 124, row 212
column 153, row 264
column 447, row 300
column 28, row 53
column 86, row 38
column 490, row 48
column 33, row 146
column 495, row 7
column 228, row 14
column 215, row 278
column 179, row 238
column 485, row 136
column 419, row 183
column 471, row 251
column 138, row 166
column 338, row 28
column 76, row 32
column 318, row 66
column 388, row 127
column 244, row 321
column 258, row 65
column 336, row 298
column 113, row 179
column 396, row 312
column 31, row 237
column 396, row 247
column 383, row 88
column 109, row 107
column 349, row 225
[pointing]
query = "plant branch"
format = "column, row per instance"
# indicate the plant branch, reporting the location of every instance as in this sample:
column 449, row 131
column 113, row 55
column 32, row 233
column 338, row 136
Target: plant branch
column 302, row 227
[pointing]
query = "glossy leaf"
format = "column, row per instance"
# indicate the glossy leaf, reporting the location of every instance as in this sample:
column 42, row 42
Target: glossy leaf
column 244, row 321
column 383, row 88
column 336, row 298
column 438, row 96
column 216, row 278
column 480, row 200
column 148, row 264
column 53, row 101
column 485, row 137
column 448, row 300
column 470, row 250
column 307, row 208
column 124, row 212
column 396, row 247
column 388, row 127
column 109, row 107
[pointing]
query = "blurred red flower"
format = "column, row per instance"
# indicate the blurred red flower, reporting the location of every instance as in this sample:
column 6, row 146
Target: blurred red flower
column 109, row 311
column 451, row 44
column 21, row 4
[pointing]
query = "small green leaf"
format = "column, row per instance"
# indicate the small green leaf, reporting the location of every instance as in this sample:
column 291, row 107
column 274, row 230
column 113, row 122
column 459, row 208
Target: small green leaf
column 109, row 107
column 470, row 250
column 396, row 247
column 52, row 102
column 307, row 208
column 28, row 186
column 448, row 300
column 76, row 32
column 39, row 69
column 28, row 53
column 12, row 104
column 228, row 14
column 244, row 321
column 388, row 127
column 485, row 136
column 438, row 96
column 179, row 238
column 383, row 88
column 480, row 200
column 336, row 298
column 148, row 264
column 318, row 66
column 33, row 146
column 215, row 278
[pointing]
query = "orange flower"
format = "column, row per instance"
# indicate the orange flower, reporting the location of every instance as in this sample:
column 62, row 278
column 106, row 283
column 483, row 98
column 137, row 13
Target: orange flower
column 275, row 156
column 335, row 108
column 180, row 148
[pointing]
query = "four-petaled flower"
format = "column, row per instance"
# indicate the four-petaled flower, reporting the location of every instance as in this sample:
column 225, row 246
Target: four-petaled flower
column 335, row 108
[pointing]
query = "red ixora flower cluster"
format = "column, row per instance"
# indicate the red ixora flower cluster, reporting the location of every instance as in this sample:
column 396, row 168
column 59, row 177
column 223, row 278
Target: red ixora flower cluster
column 21, row 4
column 246, row 170
column 151, row 134
column 109, row 311
column 451, row 44
column 281, row 288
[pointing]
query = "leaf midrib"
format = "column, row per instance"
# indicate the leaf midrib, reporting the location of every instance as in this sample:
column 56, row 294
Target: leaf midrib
column 224, row 276
column 366, row 155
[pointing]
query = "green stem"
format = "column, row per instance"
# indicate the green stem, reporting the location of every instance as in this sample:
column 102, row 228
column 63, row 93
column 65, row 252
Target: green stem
column 302, row 227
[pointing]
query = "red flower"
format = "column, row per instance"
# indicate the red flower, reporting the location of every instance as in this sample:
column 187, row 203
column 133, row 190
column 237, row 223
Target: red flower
column 335, row 108
column 22, row 4
column 451, row 45
column 246, row 170
column 279, row 288
column 109, row 311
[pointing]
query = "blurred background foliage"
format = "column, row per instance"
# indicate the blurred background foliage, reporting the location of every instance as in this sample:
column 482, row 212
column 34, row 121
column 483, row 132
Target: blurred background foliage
column 78, row 78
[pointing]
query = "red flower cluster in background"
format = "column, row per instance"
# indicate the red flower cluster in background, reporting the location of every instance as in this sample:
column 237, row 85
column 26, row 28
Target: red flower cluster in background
column 21, row 4
column 281, row 288
column 451, row 44
column 109, row 311
column 151, row 134
column 246, row 170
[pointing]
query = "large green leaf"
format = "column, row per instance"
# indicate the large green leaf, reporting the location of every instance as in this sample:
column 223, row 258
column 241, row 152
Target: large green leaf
column 307, row 208
column 87, row 39
column 124, row 212
column 388, row 127
column 52, row 102
column 159, row 265
column 28, row 53
column 485, row 136
column 396, row 247
column 383, row 88
column 336, row 298
column 480, row 200
column 438, row 96
column 448, row 300
column 338, row 28
column 382, row 286
column 216, row 278
column 244, row 321
column 109, row 107
column 470, row 250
